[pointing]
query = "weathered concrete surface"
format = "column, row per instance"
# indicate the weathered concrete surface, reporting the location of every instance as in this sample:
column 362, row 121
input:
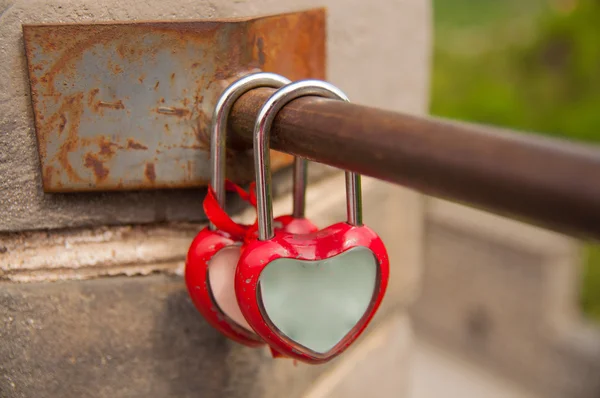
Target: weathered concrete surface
column 378, row 367
column 83, row 253
column 141, row 337
column 36, row 256
column 127, row 337
column 378, row 52
column 144, row 249
column 436, row 373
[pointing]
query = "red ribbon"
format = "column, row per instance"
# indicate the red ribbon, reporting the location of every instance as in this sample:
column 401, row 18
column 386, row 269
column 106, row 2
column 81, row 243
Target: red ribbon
column 219, row 217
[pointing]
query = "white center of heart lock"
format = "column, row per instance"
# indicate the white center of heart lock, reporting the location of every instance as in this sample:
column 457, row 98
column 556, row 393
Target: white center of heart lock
column 221, row 275
column 317, row 303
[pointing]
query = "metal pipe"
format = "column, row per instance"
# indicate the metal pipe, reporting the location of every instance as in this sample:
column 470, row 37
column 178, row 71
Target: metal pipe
column 549, row 182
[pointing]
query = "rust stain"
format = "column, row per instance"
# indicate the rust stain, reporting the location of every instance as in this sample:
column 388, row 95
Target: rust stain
column 149, row 172
column 132, row 144
column 92, row 96
column 112, row 105
column 91, row 161
column 107, row 148
column 72, row 109
column 261, row 53
column 172, row 77
column 47, row 176
column 156, row 85
column 98, row 106
column 122, row 50
column 169, row 110
column 305, row 32
column 167, row 129
column 62, row 124
column 70, row 42
column 141, row 78
column 192, row 147
column 201, row 130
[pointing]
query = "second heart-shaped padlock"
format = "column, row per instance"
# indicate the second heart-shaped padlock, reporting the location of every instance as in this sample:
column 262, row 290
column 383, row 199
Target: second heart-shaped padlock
column 214, row 253
column 309, row 296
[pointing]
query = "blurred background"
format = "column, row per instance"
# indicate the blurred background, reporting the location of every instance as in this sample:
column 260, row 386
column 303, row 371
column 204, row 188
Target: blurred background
column 506, row 309
column 531, row 65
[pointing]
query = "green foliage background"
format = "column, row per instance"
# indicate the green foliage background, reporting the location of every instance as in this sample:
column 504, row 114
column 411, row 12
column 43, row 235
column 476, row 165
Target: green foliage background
column 532, row 65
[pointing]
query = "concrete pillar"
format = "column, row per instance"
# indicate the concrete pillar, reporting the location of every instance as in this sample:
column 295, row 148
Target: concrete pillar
column 92, row 299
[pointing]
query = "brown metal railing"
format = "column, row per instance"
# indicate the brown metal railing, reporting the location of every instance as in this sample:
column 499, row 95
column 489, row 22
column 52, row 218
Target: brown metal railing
column 549, row 182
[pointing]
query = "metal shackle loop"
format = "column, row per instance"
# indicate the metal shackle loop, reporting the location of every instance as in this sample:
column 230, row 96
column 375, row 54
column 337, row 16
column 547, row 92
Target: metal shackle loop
column 262, row 129
column 218, row 135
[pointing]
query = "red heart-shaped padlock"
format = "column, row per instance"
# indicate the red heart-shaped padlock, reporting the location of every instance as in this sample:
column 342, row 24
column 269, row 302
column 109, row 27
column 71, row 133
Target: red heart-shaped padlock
column 218, row 251
column 309, row 296
column 214, row 253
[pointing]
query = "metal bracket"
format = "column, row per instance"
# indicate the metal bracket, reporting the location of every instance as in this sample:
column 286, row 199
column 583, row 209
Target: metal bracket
column 121, row 106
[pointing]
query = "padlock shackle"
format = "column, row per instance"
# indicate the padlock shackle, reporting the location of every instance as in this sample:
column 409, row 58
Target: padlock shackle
column 218, row 136
column 262, row 130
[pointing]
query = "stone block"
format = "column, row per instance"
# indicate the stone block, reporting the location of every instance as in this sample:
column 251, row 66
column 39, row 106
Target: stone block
column 127, row 337
column 362, row 60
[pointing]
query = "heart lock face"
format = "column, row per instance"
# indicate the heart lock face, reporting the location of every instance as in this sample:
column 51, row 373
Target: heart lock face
column 213, row 255
column 309, row 296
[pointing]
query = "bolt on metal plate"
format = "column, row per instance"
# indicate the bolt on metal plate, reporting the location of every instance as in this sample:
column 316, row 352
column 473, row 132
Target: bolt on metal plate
column 123, row 106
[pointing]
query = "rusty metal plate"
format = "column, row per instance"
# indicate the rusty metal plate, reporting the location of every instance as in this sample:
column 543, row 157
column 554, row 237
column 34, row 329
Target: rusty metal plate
column 123, row 106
